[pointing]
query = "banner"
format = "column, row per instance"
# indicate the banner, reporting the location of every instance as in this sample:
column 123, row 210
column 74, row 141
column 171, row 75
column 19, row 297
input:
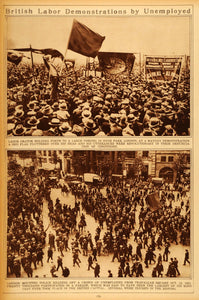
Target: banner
column 14, row 58
column 162, row 68
column 47, row 51
column 116, row 62
column 153, row 201
column 84, row 41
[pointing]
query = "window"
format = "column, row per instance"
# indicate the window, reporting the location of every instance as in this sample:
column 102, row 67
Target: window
column 170, row 159
column 163, row 158
column 131, row 154
column 145, row 154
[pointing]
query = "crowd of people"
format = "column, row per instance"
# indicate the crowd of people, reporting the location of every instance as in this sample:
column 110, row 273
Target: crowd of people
column 95, row 106
column 129, row 233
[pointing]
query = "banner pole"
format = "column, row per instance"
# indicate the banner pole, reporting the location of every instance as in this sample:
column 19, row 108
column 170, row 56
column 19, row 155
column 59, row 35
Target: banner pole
column 140, row 63
column 63, row 62
column 32, row 62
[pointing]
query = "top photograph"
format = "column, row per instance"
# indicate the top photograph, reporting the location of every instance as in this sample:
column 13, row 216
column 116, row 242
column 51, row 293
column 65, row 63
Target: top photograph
column 98, row 76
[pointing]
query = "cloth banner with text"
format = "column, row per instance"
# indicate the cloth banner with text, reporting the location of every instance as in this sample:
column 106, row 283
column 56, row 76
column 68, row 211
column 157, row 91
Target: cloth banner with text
column 153, row 201
column 116, row 62
column 163, row 68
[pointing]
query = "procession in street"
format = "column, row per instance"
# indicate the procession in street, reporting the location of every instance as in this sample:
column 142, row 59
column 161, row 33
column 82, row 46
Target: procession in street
column 106, row 229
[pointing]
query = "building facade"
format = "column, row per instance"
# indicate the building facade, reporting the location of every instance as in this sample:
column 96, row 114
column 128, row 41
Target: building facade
column 160, row 164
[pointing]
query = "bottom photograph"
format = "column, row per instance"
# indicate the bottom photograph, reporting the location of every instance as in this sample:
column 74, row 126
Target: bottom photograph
column 87, row 214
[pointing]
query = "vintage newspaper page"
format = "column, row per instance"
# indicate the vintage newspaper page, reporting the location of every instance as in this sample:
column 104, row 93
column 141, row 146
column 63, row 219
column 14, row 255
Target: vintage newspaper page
column 99, row 150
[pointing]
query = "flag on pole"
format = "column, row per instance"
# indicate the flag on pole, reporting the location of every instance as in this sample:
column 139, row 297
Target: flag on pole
column 153, row 201
column 48, row 51
column 84, row 41
column 14, row 58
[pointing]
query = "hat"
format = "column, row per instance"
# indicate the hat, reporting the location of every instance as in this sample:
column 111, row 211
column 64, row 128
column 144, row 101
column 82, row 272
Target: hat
column 98, row 99
column 10, row 127
column 43, row 103
column 19, row 130
column 19, row 107
column 55, row 105
column 77, row 129
column 39, row 114
column 19, row 113
column 89, row 124
column 108, row 97
column 86, row 114
column 146, row 132
column 63, row 106
column 131, row 118
column 31, row 104
column 125, row 102
column 65, row 127
column 47, row 110
column 113, row 118
column 37, row 132
column 31, row 113
column 33, row 121
column 154, row 122
column 54, row 122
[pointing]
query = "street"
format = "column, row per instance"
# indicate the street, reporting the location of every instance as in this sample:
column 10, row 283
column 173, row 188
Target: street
column 105, row 261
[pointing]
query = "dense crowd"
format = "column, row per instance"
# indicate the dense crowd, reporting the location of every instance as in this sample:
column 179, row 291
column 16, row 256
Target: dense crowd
column 95, row 106
column 128, row 230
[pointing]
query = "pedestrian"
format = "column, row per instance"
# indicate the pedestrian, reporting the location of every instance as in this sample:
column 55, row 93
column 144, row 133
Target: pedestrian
column 166, row 252
column 40, row 255
column 53, row 271
column 50, row 254
column 175, row 262
column 97, row 270
column 94, row 252
column 75, row 259
column 159, row 268
column 59, row 263
column 90, row 262
column 127, row 270
column 154, row 272
column 186, row 258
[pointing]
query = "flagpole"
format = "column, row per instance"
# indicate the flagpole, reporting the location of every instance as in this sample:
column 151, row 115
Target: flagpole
column 32, row 61
column 66, row 50
column 140, row 63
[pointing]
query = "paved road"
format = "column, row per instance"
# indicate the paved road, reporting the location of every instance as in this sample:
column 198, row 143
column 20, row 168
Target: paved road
column 104, row 260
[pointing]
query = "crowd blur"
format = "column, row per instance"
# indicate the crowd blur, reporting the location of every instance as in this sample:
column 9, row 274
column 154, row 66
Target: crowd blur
column 128, row 230
column 95, row 106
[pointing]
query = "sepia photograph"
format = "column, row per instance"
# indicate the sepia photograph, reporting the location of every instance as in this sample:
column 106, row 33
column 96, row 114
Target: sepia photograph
column 98, row 75
column 98, row 214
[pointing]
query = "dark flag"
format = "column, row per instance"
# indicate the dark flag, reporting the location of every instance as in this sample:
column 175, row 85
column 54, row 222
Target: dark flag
column 116, row 62
column 48, row 51
column 84, row 41
column 14, row 58
column 153, row 201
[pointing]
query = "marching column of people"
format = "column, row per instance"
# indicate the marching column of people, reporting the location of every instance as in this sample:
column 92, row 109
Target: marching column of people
column 127, row 232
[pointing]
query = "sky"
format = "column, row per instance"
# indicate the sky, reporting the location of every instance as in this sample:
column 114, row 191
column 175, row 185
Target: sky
column 148, row 35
